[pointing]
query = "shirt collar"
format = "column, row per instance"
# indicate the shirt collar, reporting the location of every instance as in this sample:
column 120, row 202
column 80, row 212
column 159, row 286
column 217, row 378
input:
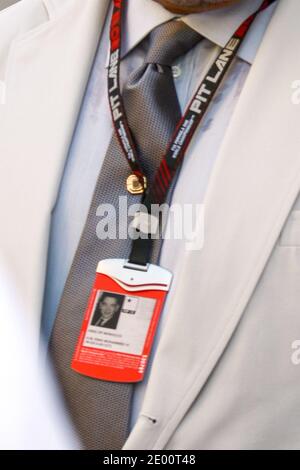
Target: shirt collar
column 217, row 25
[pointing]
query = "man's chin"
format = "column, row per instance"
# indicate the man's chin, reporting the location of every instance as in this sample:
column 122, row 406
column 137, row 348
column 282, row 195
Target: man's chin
column 181, row 9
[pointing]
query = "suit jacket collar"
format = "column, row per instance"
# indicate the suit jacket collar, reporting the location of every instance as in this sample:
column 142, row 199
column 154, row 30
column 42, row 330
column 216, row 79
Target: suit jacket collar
column 45, row 67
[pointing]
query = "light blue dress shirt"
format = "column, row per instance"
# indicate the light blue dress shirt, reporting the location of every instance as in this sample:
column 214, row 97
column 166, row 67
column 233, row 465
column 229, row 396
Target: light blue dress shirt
column 94, row 130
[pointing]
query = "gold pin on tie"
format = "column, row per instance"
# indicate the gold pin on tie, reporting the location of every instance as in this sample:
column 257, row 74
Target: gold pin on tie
column 134, row 185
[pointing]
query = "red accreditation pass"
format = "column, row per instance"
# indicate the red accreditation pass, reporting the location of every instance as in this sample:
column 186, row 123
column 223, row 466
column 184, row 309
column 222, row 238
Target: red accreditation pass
column 121, row 320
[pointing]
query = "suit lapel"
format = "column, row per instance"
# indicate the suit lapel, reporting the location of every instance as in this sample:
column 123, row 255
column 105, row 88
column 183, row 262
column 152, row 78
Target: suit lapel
column 46, row 75
column 252, row 190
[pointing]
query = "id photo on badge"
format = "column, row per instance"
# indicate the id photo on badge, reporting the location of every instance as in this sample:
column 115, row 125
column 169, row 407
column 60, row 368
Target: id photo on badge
column 119, row 322
column 107, row 309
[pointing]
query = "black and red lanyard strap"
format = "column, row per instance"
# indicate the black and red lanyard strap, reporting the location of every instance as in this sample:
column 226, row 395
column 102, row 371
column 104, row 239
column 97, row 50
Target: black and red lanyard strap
column 186, row 127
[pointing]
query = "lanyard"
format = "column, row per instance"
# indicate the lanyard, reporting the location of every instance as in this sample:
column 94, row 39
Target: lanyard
column 186, row 127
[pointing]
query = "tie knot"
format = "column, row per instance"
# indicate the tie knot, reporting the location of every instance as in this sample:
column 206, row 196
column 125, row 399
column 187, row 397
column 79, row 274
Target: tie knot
column 169, row 41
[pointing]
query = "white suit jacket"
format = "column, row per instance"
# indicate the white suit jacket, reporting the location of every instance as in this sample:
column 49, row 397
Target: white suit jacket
column 228, row 377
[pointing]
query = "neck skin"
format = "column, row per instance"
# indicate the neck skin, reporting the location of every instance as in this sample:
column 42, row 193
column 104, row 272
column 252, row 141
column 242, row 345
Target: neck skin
column 183, row 7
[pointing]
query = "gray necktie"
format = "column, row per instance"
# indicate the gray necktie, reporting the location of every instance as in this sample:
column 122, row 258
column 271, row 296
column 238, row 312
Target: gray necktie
column 7, row 3
column 153, row 111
